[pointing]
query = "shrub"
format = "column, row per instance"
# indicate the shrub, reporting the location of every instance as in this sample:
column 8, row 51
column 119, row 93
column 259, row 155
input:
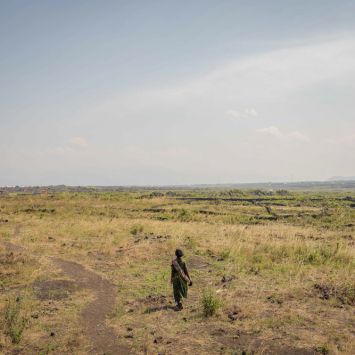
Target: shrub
column 210, row 303
column 14, row 324
column 136, row 228
column 324, row 349
column 185, row 215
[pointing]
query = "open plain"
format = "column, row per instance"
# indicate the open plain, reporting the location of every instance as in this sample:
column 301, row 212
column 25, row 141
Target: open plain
column 89, row 273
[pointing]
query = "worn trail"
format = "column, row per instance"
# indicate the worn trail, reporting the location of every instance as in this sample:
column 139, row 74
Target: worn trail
column 93, row 316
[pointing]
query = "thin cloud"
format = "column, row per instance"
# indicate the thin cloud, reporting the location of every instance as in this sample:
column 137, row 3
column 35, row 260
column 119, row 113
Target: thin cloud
column 274, row 131
column 80, row 142
column 349, row 140
column 250, row 112
column 233, row 113
column 298, row 136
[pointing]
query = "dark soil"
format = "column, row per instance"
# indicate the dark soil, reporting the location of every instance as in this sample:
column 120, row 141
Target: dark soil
column 345, row 294
column 231, row 340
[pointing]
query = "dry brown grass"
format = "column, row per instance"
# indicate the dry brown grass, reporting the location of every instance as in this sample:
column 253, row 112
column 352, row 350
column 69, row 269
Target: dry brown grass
column 274, row 268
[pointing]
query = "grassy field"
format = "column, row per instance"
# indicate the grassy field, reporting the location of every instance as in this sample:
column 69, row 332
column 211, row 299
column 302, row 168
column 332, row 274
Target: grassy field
column 276, row 270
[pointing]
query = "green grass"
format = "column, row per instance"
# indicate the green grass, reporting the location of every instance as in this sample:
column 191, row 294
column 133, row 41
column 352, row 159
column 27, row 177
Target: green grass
column 324, row 349
column 211, row 303
column 15, row 321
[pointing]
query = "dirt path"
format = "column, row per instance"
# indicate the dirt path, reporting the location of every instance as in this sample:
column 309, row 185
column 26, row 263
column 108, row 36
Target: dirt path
column 94, row 315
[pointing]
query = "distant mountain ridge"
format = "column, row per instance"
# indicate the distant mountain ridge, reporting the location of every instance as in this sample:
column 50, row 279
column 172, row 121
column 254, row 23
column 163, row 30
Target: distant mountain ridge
column 342, row 178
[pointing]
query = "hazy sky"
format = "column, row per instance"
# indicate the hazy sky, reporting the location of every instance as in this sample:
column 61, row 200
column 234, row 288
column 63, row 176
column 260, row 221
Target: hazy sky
column 229, row 91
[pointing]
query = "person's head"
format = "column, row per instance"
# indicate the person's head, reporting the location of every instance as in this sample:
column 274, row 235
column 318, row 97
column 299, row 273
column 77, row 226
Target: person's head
column 179, row 253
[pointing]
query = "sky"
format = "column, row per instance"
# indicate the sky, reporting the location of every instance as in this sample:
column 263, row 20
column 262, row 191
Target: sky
column 176, row 92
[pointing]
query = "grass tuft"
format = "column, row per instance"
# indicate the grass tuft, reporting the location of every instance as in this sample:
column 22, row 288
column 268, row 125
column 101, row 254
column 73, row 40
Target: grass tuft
column 14, row 323
column 210, row 303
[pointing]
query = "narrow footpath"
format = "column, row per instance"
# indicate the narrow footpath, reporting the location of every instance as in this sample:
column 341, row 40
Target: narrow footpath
column 94, row 315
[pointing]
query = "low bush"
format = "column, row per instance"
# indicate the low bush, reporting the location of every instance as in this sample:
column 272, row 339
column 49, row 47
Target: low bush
column 137, row 228
column 324, row 349
column 210, row 303
column 14, row 323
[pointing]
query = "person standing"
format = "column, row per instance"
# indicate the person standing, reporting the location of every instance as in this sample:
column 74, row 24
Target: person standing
column 180, row 278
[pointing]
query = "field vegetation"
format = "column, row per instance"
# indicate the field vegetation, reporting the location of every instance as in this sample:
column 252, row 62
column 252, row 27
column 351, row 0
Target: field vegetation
column 273, row 271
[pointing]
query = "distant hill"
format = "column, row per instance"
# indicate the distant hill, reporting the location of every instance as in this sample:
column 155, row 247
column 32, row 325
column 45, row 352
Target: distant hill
column 342, row 178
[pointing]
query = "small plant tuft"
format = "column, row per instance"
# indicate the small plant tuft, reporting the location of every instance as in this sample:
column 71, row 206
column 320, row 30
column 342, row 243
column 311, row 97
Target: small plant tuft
column 137, row 228
column 210, row 303
column 14, row 324
column 276, row 299
column 324, row 349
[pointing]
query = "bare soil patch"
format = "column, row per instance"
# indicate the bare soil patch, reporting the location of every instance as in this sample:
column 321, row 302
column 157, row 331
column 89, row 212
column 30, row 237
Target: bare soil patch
column 197, row 263
column 16, row 231
column 54, row 289
column 232, row 340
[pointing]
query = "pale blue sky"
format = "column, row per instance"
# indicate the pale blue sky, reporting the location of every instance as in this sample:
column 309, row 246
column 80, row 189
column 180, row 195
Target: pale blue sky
column 209, row 90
